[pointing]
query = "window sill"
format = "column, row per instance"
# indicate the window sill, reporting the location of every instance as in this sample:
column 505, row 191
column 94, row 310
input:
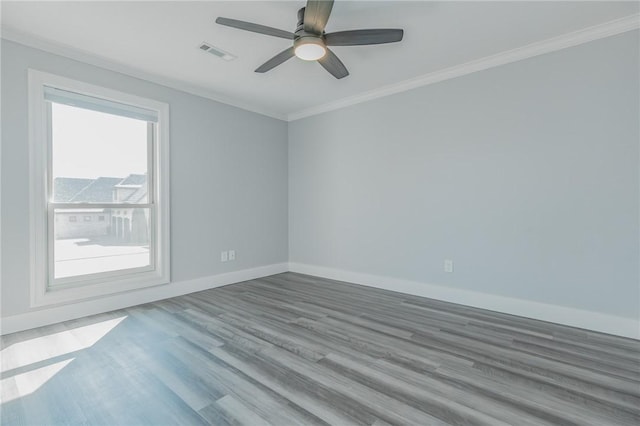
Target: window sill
column 91, row 290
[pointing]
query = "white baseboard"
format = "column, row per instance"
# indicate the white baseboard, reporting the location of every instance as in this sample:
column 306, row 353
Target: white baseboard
column 52, row 315
column 620, row 326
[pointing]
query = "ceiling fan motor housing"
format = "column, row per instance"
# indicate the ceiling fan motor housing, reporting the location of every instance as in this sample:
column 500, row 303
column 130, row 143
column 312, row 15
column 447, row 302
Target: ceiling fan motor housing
column 300, row 32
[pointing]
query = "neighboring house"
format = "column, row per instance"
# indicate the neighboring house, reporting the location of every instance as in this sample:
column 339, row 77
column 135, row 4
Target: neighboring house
column 126, row 225
column 131, row 224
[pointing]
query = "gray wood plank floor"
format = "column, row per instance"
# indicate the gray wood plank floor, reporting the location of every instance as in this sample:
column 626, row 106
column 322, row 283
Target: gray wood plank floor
column 295, row 349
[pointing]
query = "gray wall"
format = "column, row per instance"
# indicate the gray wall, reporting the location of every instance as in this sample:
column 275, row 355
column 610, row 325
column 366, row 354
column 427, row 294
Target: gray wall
column 228, row 176
column 526, row 175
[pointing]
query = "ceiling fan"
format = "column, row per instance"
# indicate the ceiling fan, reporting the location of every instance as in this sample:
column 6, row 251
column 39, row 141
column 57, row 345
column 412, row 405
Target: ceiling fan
column 310, row 41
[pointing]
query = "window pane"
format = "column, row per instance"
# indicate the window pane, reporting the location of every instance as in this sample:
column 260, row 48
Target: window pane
column 120, row 240
column 97, row 157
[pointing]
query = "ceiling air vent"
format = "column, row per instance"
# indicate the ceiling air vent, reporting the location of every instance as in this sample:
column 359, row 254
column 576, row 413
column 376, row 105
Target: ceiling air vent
column 206, row 47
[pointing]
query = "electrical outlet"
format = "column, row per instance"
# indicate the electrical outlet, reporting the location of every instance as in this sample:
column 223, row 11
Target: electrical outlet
column 232, row 255
column 448, row 265
column 224, row 256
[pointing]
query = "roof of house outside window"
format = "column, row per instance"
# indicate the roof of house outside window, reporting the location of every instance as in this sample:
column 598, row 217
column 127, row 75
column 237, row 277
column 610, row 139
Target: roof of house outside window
column 99, row 190
column 64, row 189
column 133, row 179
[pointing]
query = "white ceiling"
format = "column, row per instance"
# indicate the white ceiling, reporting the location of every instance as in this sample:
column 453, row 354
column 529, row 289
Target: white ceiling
column 162, row 38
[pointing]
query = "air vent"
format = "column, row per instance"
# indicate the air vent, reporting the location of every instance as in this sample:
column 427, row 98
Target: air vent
column 206, row 47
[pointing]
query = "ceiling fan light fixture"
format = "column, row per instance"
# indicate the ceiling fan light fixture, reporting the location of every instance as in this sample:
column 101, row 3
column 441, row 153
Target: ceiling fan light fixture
column 309, row 48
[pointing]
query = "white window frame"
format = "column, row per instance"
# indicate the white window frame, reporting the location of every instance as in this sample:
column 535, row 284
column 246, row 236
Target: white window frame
column 41, row 234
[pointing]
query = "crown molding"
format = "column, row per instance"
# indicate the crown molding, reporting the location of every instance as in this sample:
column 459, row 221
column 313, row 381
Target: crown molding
column 11, row 34
column 596, row 32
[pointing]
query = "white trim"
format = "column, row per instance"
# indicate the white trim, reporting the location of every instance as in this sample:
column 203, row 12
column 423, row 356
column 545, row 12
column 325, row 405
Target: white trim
column 162, row 195
column 585, row 35
column 38, row 161
column 620, row 326
column 47, row 79
column 80, row 100
column 564, row 41
column 70, row 52
column 595, row 321
column 47, row 316
column 41, row 236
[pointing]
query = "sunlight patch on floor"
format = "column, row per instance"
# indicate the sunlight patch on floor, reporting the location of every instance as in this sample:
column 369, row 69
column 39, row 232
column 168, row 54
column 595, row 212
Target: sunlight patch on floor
column 24, row 384
column 41, row 348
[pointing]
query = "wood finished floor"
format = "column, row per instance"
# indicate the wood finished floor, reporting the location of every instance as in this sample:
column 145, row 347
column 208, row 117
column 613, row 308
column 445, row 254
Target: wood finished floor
column 294, row 349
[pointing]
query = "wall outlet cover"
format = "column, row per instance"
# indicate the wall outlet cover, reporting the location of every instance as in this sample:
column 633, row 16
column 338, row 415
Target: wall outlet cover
column 448, row 265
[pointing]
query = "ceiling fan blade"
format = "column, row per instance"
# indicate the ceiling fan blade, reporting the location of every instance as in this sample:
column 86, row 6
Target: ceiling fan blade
column 256, row 28
column 331, row 63
column 316, row 15
column 363, row 37
column 276, row 60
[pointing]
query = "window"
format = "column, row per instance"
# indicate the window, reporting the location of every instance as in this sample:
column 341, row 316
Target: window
column 98, row 153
